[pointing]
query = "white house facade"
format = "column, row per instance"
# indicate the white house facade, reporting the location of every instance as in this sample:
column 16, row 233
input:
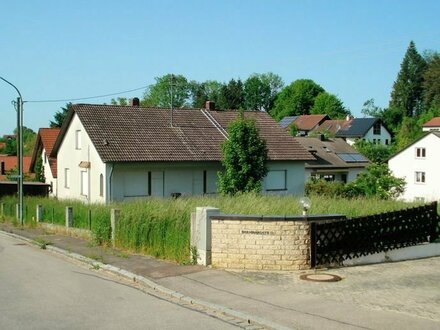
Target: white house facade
column 81, row 171
column 418, row 164
column 105, row 155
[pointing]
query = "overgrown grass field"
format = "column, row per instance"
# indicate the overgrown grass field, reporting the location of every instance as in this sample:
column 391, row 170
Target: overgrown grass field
column 161, row 227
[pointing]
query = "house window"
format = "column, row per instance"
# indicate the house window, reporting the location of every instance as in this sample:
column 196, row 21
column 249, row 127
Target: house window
column 77, row 139
column 101, row 185
column 376, row 128
column 84, row 183
column 419, row 199
column 420, row 177
column 386, row 141
column 374, row 141
column 344, row 177
column 276, row 180
column 420, row 152
column 66, row 178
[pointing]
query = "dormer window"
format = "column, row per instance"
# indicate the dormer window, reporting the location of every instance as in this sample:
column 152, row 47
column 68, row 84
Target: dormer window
column 376, row 128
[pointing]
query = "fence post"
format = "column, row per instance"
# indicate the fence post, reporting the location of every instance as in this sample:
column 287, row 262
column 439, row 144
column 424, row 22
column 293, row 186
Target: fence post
column 69, row 216
column 89, row 215
column 2, row 209
column 114, row 217
column 39, row 212
column 17, row 211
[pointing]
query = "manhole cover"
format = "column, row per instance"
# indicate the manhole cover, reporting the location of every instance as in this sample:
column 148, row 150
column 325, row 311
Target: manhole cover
column 320, row 277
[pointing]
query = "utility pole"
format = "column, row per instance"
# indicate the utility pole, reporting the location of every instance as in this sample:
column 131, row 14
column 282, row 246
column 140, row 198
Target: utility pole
column 19, row 139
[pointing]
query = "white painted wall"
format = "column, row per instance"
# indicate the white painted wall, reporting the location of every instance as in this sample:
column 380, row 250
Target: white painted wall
column 294, row 176
column 405, row 164
column 384, row 135
column 69, row 157
column 48, row 177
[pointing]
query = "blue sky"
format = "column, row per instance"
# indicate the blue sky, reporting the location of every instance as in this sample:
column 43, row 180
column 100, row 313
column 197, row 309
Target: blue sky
column 70, row 49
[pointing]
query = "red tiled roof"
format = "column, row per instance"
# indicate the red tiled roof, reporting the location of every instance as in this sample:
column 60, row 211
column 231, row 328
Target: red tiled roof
column 333, row 126
column 434, row 122
column 46, row 139
column 309, row 122
column 11, row 163
column 136, row 134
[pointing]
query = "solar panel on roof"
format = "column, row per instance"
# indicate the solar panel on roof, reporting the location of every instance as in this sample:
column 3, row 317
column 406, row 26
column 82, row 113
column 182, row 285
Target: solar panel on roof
column 352, row 157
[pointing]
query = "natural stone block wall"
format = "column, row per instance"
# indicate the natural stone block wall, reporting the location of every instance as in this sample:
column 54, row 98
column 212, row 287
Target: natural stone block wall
column 260, row 244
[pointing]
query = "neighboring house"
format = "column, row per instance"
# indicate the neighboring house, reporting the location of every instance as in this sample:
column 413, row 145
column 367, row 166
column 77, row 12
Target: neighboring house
column 418, row 164
column 112, row 153
column 8, row 163
column 432, row 125
column 335, row 160
column 304, row 123
column 44, row 143
column 369, row 129
column 353, row 129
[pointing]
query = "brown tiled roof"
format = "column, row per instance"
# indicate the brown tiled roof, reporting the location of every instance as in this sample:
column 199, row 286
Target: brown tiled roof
column 326, row 153
column 136, row 134
column 11, row 163
column 434, row 122
column 46, row 139
column 309, row 122
column 333, row 126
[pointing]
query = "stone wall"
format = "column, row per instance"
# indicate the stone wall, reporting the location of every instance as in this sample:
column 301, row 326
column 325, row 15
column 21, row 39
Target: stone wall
column 260, row 243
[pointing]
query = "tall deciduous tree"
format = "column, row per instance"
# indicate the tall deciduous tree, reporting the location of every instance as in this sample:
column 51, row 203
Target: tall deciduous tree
column 296, row 99
column 169, row 90
column 59, row 116
column 329, row 104
column 244, row 158
column 209, row 90
column 407, row 90
column 260, row 91
column 232, row 95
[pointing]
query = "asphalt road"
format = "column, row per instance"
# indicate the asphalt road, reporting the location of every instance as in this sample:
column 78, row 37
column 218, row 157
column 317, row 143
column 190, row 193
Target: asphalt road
column 39, row 290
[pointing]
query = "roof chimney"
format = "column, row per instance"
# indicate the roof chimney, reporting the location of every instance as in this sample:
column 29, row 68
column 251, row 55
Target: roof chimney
column 134, row 102
column 210, row 105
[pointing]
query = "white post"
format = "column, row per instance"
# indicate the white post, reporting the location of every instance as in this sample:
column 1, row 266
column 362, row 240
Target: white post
column 201, row 229
column 69, row 216
column 114, row 217
column 39, row 212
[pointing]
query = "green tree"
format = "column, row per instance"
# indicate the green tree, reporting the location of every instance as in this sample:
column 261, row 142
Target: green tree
column 209, row 90
column 169, row 90
column 370, row 109
column 60, row 116
column 244, row 158
column 329, row 104
column 377, row 153
column 409, row 131
column 39, row 169
column 296, row 99
column 232, row 95
column 119, row 101
column 11, row 147
column 376, row 181
column 260, row 91
column 431, row 82
column 407, row 90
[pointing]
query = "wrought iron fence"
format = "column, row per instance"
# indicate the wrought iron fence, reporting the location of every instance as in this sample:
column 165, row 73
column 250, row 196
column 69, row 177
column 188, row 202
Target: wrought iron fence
column 332, row 242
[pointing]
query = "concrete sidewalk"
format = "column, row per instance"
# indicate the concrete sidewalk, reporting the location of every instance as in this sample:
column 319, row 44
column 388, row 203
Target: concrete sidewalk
column 403, row 295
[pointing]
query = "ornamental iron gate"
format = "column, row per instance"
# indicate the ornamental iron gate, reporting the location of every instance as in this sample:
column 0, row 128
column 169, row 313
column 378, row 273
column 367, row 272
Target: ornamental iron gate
column 334, row 241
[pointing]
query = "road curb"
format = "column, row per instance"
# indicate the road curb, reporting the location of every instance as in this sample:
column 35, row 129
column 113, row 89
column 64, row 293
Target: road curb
column 251, row 319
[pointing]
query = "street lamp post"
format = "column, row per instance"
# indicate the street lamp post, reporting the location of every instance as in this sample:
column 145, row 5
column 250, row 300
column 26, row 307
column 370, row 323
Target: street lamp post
column 19, row 108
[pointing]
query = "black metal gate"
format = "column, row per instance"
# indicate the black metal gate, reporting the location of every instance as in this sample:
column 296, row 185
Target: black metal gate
column 332, row 242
